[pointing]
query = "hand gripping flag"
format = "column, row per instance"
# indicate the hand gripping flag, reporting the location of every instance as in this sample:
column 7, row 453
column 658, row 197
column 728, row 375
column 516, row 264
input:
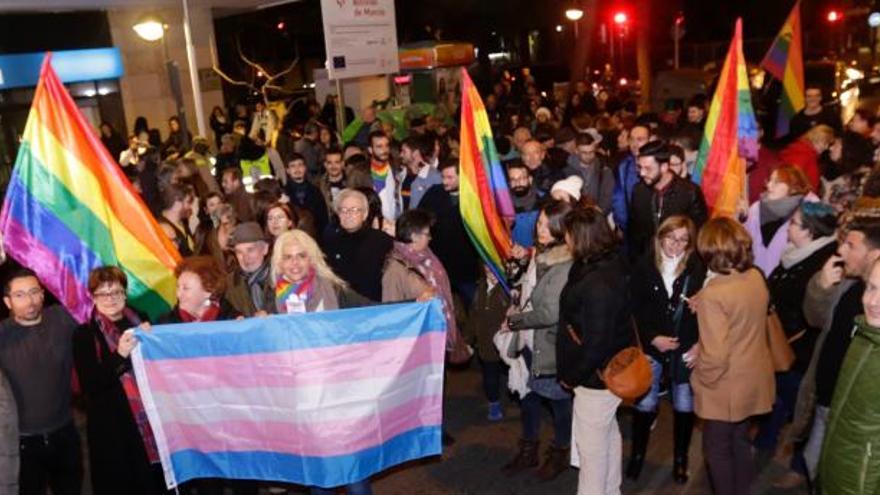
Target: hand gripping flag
column 320, row 399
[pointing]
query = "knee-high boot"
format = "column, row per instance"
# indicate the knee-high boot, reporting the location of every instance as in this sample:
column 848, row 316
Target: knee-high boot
column 641, row 433
column 682, row 428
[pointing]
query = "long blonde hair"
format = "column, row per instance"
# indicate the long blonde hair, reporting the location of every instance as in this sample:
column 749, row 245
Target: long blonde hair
column 316, row 256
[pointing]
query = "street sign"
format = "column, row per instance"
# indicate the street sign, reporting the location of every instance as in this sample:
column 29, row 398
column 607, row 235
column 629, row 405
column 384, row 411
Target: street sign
column 360, row 37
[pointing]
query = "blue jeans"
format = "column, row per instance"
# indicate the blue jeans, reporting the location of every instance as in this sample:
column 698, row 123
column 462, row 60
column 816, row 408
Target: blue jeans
column 531, row 418
column 682, row 395
column 787, row 385
column 359, row 488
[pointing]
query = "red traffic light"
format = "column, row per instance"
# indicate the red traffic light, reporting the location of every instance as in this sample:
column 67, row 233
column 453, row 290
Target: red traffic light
column 620, row 17
column 834, row 15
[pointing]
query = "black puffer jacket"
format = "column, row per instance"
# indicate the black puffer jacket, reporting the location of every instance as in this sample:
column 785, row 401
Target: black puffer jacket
column 595, row 304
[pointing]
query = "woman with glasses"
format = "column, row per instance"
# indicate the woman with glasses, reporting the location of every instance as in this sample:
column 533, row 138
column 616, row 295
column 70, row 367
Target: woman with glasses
column 122, row 452
column 661, row 284
column 278, row 218
column 412, row 271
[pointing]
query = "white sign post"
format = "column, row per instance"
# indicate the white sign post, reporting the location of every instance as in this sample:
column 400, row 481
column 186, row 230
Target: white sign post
column 360, row 37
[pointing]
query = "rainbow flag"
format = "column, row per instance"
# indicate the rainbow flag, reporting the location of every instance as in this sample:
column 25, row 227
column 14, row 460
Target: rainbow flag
column 69, row 208
column 321, row 399
column 486, row 206
column 730, row 137
column 785, row 61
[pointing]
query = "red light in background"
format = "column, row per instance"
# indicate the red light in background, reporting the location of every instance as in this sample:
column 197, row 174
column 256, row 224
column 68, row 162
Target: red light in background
column 281, row 25
column 620, row 18
column 834, row 15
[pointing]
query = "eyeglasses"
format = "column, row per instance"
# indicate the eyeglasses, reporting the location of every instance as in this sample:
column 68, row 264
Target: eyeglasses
column 276, row 218
column 677, row 240
column 351, row 211
column 109, row 296
column 31, row 294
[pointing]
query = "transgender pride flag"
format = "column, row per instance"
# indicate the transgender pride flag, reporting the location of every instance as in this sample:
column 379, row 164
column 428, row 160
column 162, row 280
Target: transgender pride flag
column 321, row 399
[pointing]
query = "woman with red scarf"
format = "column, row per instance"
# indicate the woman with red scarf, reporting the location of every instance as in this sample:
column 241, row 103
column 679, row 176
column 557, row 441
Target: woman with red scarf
column 122, row 452
column 201, row 283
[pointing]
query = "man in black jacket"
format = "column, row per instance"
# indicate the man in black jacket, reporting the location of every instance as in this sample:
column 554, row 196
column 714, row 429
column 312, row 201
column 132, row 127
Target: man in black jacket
column 450, row 241
column 659, row 195
column 303, row 193
column 356, row 251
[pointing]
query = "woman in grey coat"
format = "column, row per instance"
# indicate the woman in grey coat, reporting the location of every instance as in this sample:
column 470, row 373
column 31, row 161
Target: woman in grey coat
column 536, row 328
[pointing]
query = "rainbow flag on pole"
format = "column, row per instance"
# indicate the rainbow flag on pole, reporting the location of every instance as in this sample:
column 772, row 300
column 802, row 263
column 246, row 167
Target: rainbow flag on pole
column 730, row 137
column 486, row 206
column 321, row 399
column 69, row 208
column 785, row 61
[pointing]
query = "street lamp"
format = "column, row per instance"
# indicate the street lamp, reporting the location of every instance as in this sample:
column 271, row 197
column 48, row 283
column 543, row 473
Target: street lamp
column 151, row 29
column 574, row 14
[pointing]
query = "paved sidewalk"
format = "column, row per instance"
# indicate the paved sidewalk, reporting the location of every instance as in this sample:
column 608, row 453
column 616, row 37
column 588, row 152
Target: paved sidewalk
column 473, row 464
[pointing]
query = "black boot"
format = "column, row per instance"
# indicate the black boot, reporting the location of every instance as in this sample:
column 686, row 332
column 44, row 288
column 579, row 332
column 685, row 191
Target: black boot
column 682, row 428
column 641, row 432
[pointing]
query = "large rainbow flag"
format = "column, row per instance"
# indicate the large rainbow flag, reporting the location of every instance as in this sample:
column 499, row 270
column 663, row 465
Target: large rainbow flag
column 730, row 137
column 785, row 61
column 320, row 399
column 69, row 208
column 486, row 206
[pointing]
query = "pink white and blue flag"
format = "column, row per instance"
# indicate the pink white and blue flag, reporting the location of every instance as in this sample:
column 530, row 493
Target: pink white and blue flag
column 321, row 399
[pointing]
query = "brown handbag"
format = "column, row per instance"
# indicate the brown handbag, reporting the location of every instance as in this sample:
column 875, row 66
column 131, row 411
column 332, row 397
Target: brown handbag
column 628, row 375
column 780, row 350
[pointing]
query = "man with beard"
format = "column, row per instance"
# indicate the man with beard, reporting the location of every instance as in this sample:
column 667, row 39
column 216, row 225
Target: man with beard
column 628, row 176
column 659, row 195
column 332, row 182
column 382, row 174
column 177, row 203
column 534, row 156
column 36, row 356
column 416, row 153
column 526, row 202
column 449, row 240
column 589, row 165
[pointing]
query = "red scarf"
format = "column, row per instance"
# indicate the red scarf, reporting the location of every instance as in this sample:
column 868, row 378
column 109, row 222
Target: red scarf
column 111, row 335
column 210, row 314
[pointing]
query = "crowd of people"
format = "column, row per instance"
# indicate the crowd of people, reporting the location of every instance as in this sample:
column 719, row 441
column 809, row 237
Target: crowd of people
column 613, row 246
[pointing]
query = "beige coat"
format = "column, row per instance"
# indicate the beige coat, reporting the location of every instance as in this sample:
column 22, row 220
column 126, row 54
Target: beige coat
column 401, row 282
column 733, row 377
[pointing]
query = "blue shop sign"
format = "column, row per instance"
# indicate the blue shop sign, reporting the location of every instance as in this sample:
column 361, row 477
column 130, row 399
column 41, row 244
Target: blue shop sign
column 23, row 70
